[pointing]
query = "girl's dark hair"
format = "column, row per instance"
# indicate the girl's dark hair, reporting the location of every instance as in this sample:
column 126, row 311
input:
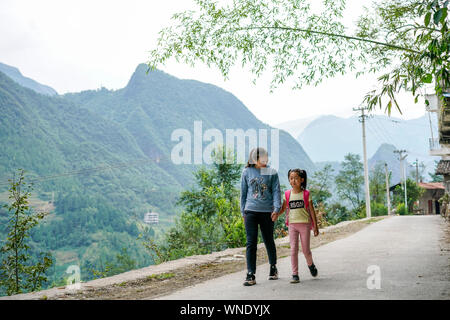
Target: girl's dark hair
column 302, row 174
column 254, row 156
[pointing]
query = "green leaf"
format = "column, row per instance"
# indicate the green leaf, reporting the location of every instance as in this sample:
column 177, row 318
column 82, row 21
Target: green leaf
column 427, row 78
column 427, row 19
column 437, row 16
column 444, row 15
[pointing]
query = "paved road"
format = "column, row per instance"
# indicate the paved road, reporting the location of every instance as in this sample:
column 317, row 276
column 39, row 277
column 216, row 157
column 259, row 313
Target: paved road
column 407, row 250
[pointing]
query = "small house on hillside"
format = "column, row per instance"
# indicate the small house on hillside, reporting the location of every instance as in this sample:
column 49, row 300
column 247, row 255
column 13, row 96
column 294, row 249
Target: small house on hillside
column 428, row 202
column 151, row 218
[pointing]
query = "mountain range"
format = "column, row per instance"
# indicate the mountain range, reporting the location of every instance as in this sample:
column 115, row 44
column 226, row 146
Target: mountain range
column 329, row 138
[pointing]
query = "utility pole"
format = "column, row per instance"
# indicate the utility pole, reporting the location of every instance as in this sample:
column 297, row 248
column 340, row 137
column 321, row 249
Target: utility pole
column 403, row 169
column 417, row 171
column 362, row 119
column 387, row 189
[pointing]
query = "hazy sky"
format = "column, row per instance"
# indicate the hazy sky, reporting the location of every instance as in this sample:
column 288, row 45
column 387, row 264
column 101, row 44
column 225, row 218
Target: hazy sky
column 78, row 45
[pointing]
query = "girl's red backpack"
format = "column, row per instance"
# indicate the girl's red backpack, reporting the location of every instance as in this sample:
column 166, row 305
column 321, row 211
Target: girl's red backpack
column 287, row 194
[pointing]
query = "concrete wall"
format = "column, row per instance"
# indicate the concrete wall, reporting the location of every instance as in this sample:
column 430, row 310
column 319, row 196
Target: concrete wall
column 432, row 195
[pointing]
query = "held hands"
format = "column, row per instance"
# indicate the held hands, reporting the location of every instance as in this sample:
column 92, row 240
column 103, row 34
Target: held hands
column 274, row 216
column 316, row 231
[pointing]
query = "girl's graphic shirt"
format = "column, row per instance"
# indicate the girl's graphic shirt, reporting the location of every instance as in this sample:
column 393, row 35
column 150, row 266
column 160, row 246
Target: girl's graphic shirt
column 260, row 192
column 297, row 210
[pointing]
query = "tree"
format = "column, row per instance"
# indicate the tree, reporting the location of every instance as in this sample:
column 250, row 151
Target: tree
column 420, row 28
column 225, row 172
column 201, row 234
column 211, row 219
column 413, row 193
column 123, row 263
column 228, row 172
column 434, row 177
column 148, row 241
column 286, row 36
column 337, row 213
column 320, row 184
column 349, row 180
column 194, row 200
column 17, row 271
column 377, row 183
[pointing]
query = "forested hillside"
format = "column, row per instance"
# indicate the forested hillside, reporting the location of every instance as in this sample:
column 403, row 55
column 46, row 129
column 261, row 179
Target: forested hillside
column 104, row 157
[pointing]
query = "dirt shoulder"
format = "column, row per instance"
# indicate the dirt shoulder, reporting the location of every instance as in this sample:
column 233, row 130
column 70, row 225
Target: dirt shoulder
column 160, row 284
column 445, row 239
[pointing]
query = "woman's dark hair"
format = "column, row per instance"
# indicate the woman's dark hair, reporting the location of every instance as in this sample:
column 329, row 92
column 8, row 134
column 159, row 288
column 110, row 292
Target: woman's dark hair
column 254, row 156
column 302, row 174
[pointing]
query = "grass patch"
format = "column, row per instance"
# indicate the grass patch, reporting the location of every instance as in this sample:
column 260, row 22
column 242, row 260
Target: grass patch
column 372, row 220
column 161, row 276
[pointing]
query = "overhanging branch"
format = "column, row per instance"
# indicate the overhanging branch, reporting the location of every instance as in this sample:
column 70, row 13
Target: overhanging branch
column 329, row 34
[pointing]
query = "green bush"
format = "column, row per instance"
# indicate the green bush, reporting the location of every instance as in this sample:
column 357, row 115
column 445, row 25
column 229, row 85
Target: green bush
column 401, row 210
column 337, row 213
column 378, row 209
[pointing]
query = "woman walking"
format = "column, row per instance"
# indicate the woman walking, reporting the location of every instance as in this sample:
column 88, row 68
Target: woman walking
column 260, row 202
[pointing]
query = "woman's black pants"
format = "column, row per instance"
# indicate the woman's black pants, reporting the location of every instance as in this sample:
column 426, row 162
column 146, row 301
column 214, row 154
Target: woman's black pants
column 252, row 220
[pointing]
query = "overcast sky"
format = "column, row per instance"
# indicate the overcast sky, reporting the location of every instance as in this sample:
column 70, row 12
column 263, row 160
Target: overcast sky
column 79, row 45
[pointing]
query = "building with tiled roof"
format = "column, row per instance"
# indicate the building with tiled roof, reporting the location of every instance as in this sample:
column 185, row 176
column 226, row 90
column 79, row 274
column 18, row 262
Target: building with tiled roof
column 443, row 167
column 429, row 201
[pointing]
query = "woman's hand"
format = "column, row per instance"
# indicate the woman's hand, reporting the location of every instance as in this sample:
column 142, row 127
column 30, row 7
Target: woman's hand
column 274, row 216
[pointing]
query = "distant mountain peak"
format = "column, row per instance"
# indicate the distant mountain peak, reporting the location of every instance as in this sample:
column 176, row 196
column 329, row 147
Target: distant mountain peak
column 140, row 80
column 17, row 76
column 386, row 147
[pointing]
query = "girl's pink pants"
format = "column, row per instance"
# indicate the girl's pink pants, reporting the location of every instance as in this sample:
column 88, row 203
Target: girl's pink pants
column 304, row 229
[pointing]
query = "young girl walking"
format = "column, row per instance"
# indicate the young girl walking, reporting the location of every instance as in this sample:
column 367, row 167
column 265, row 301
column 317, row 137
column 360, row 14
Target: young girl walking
column 260, row 202
column 300, row 218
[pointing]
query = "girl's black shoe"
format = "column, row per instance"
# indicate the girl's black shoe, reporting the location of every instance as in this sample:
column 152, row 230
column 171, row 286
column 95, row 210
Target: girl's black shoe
column 295, row 279
column 250, row 279
column 313, row 270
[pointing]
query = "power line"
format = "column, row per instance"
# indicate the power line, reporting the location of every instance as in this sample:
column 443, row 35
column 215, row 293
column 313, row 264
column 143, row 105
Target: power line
column 394, row 137
column 89, row 170
column 374, row 133
column 383, row 130
column 419, row 154
column 382, row 134
column 385, row 137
